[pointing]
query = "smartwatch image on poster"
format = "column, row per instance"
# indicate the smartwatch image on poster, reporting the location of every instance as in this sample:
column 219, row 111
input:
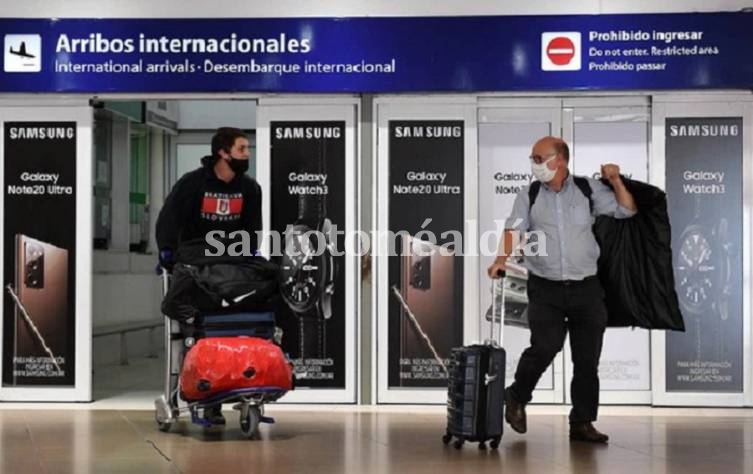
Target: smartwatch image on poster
column 704, row 274
column 308, row 280
column 427, row 288
column 40, row 298
column 516, row 295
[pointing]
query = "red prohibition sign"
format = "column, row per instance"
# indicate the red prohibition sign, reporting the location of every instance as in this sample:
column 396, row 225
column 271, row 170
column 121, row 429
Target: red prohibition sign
column 560, row 51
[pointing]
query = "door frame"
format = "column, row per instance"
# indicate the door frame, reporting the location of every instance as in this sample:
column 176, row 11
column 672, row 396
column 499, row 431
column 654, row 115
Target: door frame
column 593, row 110
column 718, row 105
column 79, row 111
column 387, row 109
column 345, row 109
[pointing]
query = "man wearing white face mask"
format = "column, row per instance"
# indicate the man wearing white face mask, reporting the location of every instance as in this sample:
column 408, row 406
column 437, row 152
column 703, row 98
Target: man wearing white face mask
column 564, row 293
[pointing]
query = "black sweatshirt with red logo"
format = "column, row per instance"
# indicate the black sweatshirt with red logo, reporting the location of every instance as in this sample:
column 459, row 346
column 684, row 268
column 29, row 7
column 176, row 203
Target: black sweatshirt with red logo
column 200, row 202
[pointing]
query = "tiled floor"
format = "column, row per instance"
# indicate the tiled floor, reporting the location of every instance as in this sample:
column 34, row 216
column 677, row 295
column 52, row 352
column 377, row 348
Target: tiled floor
column 97, row 441
column 106, row 437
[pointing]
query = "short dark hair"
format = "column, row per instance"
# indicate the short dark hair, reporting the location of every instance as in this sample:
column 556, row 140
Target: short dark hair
column 561, row 148
column 224, row 139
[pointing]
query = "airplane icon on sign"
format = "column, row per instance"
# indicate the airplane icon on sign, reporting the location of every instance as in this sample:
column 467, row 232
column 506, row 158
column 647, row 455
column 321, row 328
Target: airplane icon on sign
column 21, row 51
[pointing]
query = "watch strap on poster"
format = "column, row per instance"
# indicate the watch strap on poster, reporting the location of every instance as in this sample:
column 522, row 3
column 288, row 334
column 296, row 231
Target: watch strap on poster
column 313, row 208
column 33, row 327
column 308, row 210
column 321, row 163
column 312, row 348
column 425, row 337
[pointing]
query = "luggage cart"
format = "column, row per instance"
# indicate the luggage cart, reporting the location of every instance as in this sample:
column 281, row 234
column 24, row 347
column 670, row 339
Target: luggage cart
column 249, row 402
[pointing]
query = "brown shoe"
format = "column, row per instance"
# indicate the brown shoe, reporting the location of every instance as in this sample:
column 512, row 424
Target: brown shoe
column 515, row 413
column 586, row 432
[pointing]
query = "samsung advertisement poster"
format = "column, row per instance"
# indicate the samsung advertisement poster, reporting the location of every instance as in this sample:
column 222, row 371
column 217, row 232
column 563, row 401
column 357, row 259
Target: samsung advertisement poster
column 308, row 205
column 426, row 273
column 39, row 313
column 705, row 197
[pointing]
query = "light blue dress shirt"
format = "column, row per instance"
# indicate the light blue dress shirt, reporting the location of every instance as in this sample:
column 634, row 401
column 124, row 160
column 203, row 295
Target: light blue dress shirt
column 564, row 218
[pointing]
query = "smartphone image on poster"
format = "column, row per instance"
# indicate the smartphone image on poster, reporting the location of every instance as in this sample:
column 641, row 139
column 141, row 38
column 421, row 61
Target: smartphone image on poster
column 41, row 286
column 515, row 296
column 427, row 284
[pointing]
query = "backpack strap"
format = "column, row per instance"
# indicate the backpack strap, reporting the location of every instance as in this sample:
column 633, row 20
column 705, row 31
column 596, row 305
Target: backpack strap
column 581, row 182
column 533, row 191
column 585, row 188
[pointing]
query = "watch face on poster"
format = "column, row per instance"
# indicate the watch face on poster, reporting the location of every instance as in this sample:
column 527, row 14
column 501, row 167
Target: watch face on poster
column 301, row 270
column 695, row 270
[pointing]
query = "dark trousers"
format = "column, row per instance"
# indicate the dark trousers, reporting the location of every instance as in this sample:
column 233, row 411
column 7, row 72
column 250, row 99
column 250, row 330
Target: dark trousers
column 554, row 308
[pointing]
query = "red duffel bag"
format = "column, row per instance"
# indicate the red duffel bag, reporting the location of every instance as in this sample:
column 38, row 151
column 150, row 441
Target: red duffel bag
column 220, row 364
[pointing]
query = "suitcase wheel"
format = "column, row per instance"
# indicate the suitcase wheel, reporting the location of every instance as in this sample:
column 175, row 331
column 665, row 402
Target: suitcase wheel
column 250, row 422
column 494, row 444
column 458, row 443
column 447, row 438
column 162, row 413
column 482, row 446
column 164, row 426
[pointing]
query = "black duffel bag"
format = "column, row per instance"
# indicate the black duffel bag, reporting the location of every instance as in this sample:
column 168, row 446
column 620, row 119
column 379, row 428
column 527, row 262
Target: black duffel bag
column 250, row 284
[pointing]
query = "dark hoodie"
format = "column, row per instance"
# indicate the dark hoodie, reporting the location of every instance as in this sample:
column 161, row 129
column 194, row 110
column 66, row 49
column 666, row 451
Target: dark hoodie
column 200, row 203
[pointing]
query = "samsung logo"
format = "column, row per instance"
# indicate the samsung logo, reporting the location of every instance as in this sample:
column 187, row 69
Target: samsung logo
column 297, row 133
column 428, row 132
column 704, row 130
column 42, row 133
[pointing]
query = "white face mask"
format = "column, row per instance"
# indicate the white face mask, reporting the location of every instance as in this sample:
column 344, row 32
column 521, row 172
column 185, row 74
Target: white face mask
column 542, row 172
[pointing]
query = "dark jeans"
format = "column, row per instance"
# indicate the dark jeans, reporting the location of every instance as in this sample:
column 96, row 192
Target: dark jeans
column 555, row 308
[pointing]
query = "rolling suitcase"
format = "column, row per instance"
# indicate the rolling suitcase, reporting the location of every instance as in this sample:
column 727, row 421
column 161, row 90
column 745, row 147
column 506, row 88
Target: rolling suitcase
column 476, row 385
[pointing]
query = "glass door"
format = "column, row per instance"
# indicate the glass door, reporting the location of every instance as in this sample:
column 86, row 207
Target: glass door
column 507, row 131
column 600, row 131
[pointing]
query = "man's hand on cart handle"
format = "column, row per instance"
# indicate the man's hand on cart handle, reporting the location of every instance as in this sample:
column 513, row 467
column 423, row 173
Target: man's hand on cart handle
column 166, row 261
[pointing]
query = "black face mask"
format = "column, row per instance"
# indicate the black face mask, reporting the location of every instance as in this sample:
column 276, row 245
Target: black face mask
column 238, row 166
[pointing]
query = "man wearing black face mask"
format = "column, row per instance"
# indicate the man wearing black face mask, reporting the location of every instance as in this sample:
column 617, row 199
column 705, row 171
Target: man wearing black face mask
column 218, row 196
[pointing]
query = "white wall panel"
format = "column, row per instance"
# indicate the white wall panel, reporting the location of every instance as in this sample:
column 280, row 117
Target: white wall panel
column 208, row 115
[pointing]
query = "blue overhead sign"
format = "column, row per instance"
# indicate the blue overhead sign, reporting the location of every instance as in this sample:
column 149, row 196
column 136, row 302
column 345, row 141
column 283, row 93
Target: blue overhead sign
column 424, row 54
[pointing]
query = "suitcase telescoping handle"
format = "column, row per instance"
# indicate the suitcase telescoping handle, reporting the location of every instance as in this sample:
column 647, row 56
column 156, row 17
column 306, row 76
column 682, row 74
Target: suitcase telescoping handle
column 498, row 306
